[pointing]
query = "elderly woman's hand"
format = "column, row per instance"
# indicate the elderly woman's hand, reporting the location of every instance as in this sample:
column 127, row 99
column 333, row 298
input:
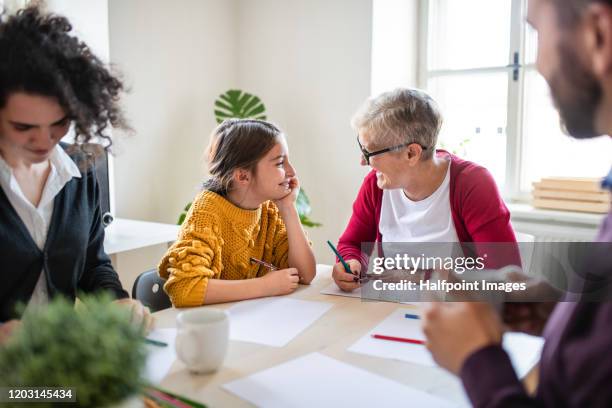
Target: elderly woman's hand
column 346, row 281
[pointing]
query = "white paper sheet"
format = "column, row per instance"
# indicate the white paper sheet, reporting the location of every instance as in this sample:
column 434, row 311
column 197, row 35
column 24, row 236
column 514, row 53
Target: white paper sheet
column 396, row 324
column 334, row 290
column 524, row 350
column 160, row 359
column 273, row 321
column 316, row 380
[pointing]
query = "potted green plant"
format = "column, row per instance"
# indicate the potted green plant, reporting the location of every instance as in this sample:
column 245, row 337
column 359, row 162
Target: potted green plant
column 94, row 350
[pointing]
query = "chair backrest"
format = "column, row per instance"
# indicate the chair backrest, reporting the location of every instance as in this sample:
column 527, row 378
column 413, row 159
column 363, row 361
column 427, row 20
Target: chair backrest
column 99, row 160
column 523, row 237
column 149, row 290
column 526, row 243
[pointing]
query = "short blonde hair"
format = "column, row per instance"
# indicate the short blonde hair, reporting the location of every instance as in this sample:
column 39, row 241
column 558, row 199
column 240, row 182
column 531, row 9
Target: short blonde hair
column 401, row 116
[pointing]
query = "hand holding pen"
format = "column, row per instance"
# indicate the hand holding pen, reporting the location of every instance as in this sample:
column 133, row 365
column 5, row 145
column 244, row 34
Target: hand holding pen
column 264, row 264
column 278, row 281
column 346, row 273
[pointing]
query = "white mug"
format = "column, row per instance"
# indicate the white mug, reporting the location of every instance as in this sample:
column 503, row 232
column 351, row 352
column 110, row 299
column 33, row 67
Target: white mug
column 202, row 338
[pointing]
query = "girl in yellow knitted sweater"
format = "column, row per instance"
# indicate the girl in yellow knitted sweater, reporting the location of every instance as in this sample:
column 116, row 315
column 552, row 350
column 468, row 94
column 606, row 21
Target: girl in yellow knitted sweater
column 246, row 210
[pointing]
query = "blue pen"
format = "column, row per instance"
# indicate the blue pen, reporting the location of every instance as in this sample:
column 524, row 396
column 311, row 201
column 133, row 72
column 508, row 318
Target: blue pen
column 346, row 267
column 411, row 316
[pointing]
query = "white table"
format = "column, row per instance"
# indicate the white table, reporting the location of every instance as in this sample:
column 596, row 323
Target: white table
column 126, row 235
column 347, row 321
column 136, row 246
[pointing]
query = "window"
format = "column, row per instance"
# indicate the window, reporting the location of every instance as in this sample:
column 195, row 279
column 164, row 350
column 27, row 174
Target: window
column 477, row 59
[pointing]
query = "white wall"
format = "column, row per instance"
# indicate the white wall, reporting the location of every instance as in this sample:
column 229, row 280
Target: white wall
column 10, row 6
column 395, row 40
column 309, row 61
column 176, row 58
column 89, row 20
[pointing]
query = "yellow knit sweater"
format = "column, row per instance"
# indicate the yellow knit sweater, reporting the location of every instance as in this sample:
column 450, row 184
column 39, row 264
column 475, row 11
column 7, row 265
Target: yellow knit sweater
column 216, row 241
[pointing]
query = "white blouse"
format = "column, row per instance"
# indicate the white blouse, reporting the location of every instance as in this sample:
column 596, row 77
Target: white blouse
column 37, row 219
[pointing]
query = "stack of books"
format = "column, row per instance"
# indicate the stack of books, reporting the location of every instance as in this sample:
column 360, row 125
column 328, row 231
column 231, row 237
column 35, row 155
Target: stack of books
column 571, row 194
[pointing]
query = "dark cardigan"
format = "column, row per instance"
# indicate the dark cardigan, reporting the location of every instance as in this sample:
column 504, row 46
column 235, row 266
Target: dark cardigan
column 73, row 258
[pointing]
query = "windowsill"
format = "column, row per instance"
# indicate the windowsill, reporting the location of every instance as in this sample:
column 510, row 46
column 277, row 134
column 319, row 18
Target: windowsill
column 526, row 212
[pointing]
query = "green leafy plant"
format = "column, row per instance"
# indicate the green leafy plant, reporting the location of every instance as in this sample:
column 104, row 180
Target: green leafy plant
column 243, row 105
column 183, row 214
column 303, row 207
column 94, row 349
column 238, row 104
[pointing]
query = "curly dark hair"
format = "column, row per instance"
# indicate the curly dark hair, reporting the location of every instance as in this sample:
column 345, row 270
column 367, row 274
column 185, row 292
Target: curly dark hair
column 39, row 56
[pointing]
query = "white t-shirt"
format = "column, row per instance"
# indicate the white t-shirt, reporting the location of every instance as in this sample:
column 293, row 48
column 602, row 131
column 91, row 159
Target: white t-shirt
column 37, row 219
column 427, row 220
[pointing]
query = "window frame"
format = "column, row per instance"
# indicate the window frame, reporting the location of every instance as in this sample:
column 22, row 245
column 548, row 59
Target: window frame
column 511, row 190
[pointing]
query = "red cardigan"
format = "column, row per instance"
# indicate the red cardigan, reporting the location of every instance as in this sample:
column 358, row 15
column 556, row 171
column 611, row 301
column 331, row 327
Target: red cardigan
column 478, row 212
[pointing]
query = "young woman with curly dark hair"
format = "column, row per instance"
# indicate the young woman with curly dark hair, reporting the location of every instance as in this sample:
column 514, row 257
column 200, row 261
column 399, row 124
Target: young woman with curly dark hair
column 51, row 234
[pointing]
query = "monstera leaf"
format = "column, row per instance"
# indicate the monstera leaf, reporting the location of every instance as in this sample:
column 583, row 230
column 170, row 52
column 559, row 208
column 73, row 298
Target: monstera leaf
column 237, row 104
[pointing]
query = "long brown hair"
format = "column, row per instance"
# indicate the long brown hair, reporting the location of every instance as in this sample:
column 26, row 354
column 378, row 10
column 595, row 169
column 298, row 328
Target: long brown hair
column 237, row 144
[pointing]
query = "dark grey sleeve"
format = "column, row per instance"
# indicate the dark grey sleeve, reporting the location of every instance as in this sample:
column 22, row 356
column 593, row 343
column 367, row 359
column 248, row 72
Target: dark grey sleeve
column 98, row 273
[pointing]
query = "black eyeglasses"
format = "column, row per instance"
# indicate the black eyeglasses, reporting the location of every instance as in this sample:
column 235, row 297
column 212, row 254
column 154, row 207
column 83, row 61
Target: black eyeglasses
column 367, row 155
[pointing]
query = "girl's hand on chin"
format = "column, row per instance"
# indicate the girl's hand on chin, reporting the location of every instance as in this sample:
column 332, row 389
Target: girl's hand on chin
column 289, row 200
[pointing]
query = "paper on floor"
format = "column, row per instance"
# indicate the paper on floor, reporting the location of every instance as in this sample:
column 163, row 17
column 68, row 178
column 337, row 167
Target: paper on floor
column 273, row 321
column 316, row 380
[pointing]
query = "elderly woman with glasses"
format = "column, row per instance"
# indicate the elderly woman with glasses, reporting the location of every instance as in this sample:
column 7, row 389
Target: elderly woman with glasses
column 415, row 192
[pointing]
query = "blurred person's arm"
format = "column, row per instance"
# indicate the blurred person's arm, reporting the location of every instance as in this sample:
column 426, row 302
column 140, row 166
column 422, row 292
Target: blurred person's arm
column 7, row 329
